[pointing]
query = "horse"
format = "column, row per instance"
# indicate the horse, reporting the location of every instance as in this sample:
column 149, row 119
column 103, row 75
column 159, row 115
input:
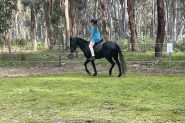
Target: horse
column 109, row 50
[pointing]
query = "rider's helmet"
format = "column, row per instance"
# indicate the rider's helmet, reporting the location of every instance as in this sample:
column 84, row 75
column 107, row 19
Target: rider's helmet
column 94, row 21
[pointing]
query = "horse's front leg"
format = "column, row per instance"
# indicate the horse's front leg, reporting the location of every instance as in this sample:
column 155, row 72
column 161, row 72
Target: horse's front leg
column 94, row 67
column 86, row 69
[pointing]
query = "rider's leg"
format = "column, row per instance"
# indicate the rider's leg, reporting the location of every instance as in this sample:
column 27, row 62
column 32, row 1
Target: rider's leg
column 91, row 45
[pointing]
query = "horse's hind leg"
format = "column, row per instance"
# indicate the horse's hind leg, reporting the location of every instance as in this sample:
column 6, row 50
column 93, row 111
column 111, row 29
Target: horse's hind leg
column 86, row 69
column 119, row 65
column 112, row 63
column 94, row 67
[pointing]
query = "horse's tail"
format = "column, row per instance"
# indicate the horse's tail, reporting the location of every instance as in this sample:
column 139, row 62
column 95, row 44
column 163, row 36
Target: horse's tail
column 122, row 61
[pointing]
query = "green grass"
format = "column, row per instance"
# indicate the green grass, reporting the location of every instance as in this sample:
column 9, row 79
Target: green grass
column 78, row 97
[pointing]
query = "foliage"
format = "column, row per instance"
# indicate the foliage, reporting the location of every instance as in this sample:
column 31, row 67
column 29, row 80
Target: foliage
column 182, row 4
column 81, row 4
column 57, row 20
column 20, row 42
column 180, row 45
column 35, row 2
column 6, row 10
column 146, row 43
column 57, row 12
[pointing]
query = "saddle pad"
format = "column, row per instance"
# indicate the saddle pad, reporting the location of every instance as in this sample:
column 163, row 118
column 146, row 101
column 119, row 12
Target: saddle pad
column 98, row 46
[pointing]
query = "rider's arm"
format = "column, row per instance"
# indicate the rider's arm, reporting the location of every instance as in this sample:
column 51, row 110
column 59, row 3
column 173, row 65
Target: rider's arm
column 90, row 38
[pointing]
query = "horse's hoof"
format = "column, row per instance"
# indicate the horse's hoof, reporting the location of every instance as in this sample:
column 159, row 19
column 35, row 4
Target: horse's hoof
column 110, row 73
column 95, row 74
column 119, row 75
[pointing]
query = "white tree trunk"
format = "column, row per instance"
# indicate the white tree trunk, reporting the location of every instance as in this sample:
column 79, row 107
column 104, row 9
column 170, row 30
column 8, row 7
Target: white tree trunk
column 66, row 4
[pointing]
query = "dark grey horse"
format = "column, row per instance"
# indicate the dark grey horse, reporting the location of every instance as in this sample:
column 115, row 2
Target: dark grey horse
column 110, row 50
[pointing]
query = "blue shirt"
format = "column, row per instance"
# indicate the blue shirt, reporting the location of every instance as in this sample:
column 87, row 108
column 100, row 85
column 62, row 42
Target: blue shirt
column 96, row 35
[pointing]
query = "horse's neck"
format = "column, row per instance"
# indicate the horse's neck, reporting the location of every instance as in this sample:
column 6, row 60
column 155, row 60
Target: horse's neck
column 83, row 45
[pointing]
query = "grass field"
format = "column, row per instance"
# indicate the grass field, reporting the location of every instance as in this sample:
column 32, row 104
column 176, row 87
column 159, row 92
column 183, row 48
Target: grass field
column 80, row 98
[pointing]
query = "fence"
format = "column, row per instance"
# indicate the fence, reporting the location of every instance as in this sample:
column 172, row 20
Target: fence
column 134, row 60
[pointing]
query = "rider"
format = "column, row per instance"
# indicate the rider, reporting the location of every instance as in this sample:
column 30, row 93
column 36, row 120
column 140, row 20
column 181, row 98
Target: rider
column 95, row 36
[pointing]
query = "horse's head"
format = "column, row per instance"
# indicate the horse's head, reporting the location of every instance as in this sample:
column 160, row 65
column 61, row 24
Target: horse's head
column 73, row 45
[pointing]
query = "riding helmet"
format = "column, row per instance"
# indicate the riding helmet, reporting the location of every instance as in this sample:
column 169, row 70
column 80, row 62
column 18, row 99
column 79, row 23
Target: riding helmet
column 94, row 21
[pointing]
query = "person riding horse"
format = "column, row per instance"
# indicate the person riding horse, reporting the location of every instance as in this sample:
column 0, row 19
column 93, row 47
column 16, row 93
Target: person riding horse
column 109, row 50
column 95, row 36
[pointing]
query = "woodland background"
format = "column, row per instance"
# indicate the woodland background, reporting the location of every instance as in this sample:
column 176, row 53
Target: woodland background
column 33, row 26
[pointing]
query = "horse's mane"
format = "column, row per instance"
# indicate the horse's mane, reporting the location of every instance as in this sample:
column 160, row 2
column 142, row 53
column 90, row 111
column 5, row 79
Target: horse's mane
column 80, row 39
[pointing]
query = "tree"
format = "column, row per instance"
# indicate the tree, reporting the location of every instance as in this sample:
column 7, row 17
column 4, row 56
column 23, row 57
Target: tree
column 42, row 20
column 124, row 15
column 74, row 17
column 6, row 13
column 161, row 28
column 48, row 14
column 131, row 14
column 33, row 27
column 33, row 6
column 104, row 11
column 66, row 7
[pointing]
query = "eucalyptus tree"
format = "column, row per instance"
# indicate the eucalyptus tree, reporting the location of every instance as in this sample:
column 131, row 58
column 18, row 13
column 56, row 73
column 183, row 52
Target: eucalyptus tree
column 132, row 23
column 161, row 28
column 34, row 5
column 181, row 9
column 6, row 13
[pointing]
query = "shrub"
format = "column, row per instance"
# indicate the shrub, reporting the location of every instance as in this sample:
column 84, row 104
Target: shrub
column 180, row 46
column 146, row 43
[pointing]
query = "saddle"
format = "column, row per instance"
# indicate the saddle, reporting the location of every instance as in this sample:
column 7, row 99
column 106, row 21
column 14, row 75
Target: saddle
column 98, row 46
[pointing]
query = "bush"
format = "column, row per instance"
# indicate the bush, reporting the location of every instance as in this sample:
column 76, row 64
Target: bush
column 146, row 43
column 180, row 46
column 20, row 42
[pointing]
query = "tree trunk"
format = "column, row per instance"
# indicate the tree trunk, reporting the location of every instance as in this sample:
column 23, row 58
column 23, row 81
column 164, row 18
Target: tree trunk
column 96, row 9
column 48, row 24
column 7, row 40
column 174, row 20
column 131, row 13
column 161, row 28
column 74, row 18
column 152, row 32
column 16, row 25
column 66, row 5
column 33, row 31
column 46, row 42
column 105, row 28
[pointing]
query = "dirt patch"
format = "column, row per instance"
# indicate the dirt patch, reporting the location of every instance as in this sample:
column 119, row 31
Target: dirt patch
column 38, row 71
column 35, row 71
